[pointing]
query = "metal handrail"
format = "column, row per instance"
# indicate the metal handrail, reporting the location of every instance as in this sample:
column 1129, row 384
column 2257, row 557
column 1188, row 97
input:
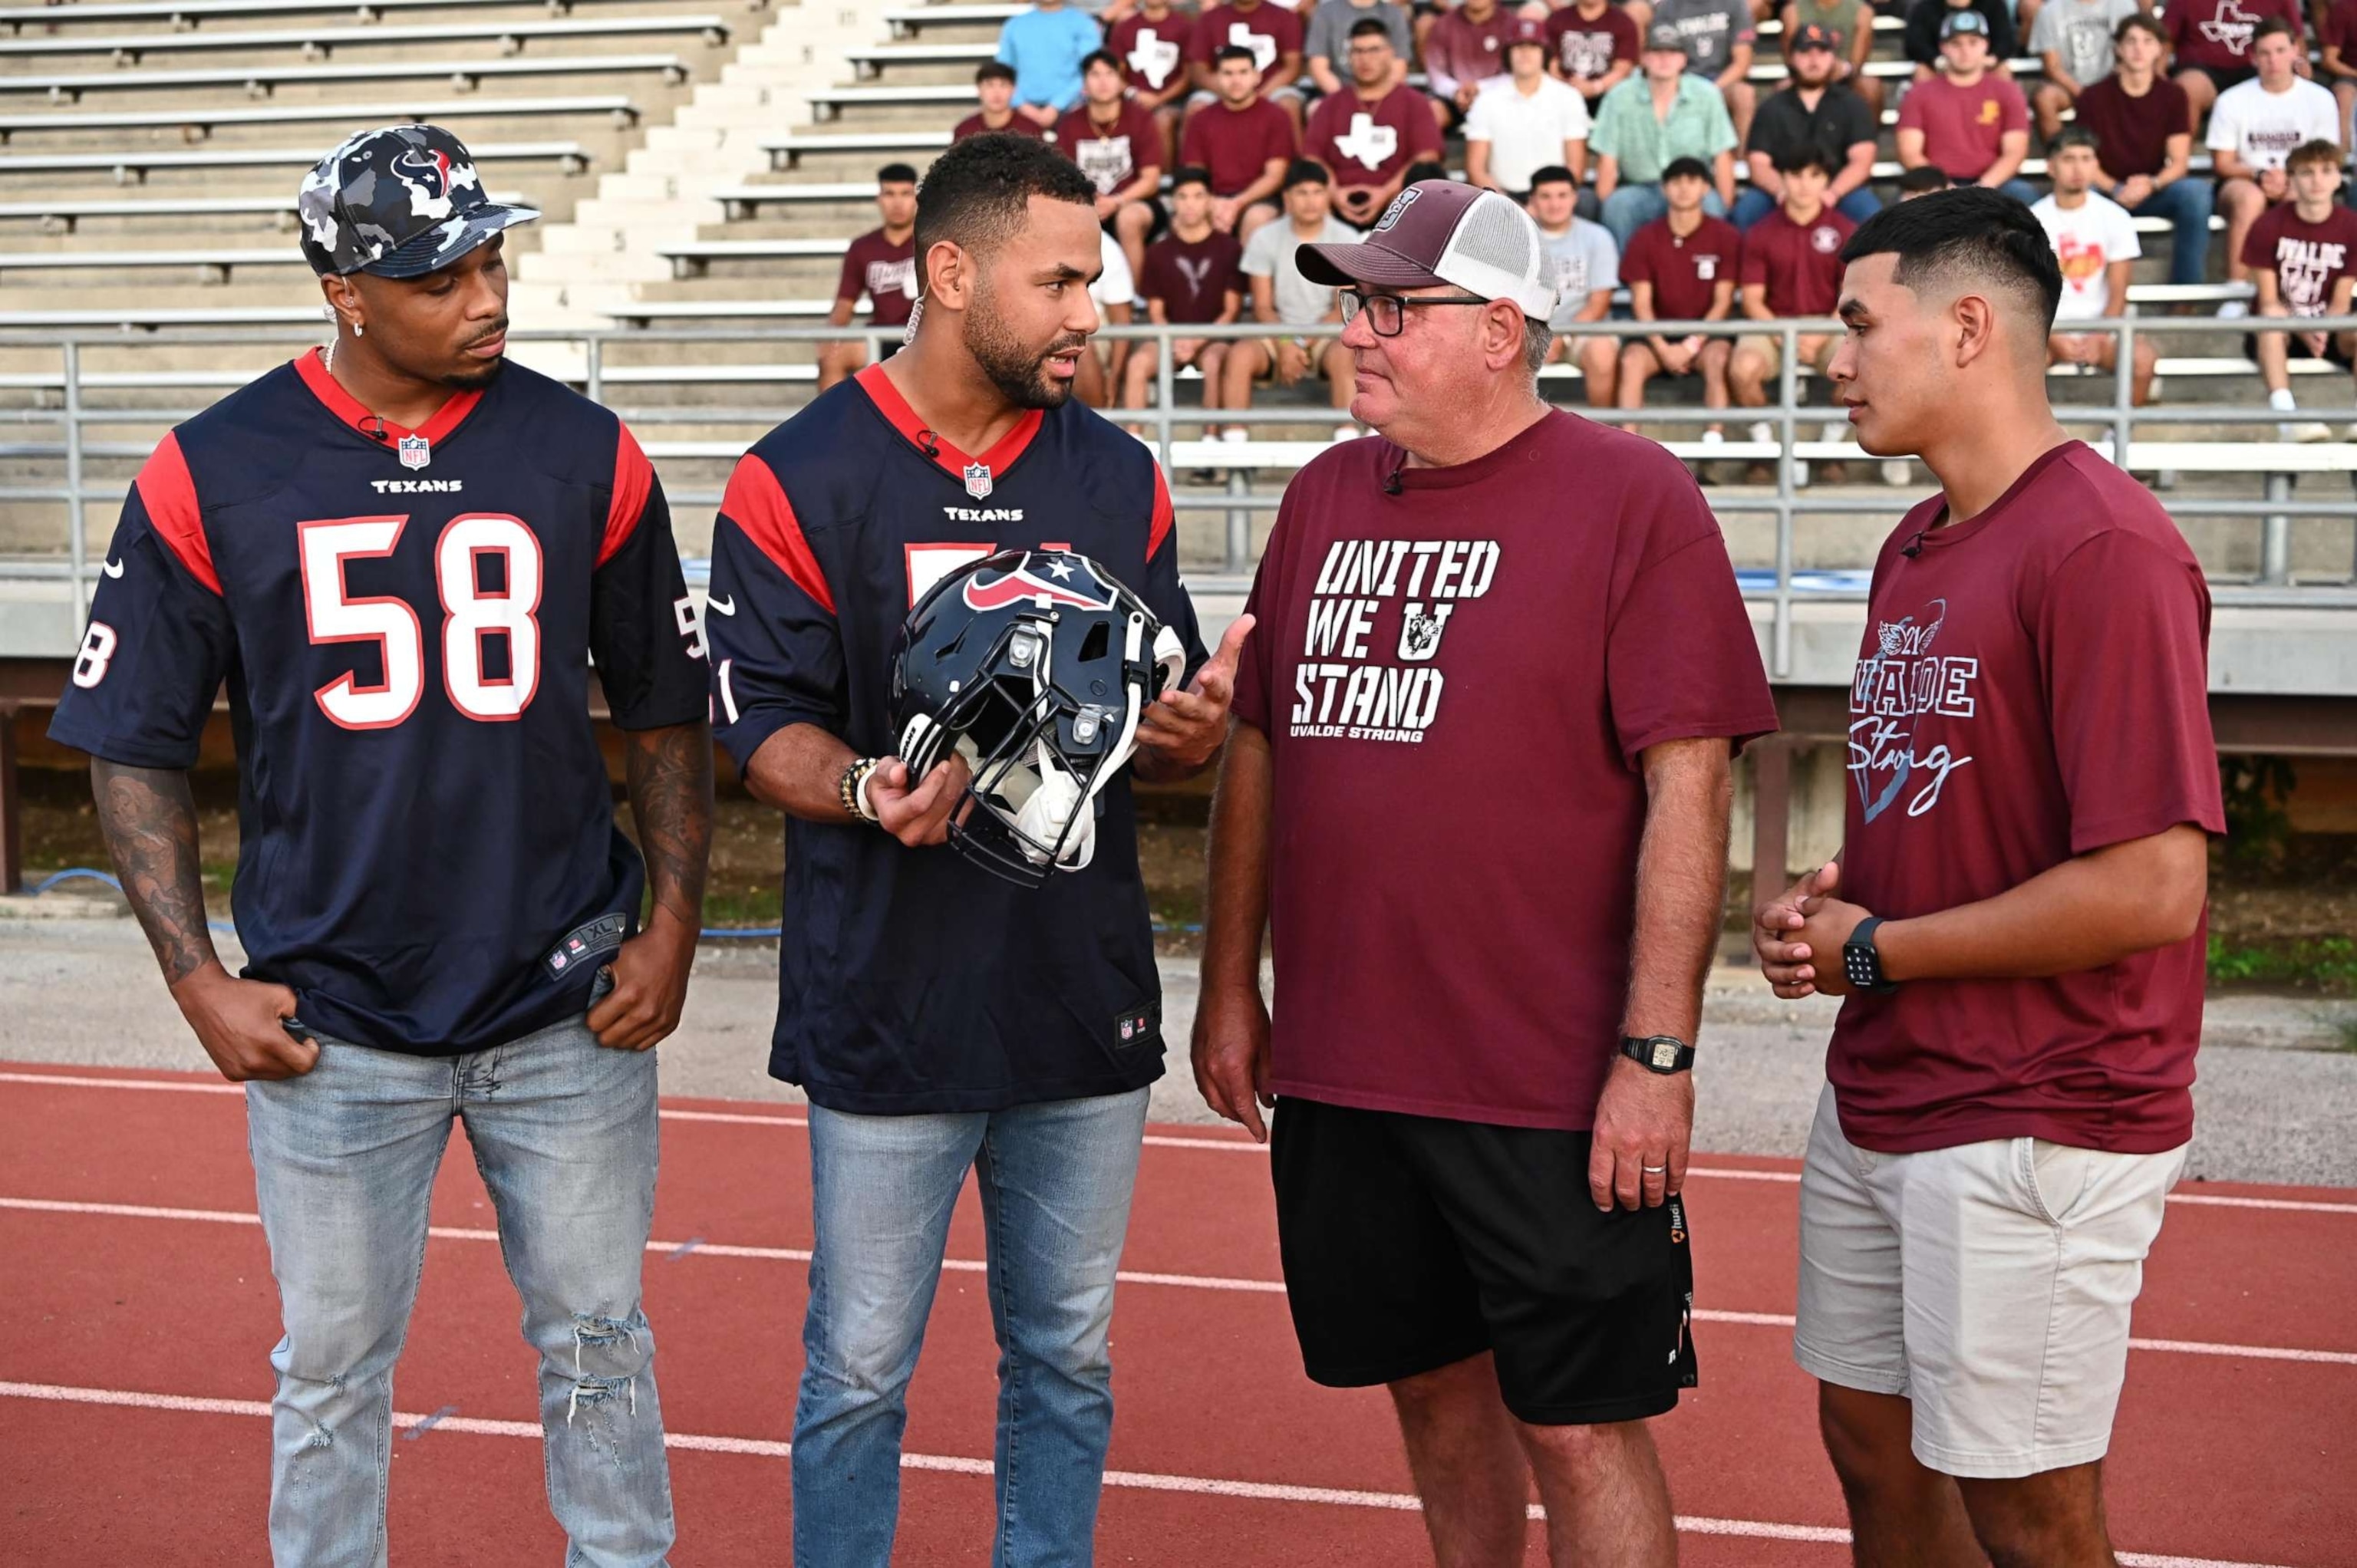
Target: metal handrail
column 1241, row 500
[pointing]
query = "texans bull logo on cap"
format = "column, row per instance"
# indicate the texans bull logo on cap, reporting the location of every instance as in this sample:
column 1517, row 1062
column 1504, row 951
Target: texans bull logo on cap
column 400, row 202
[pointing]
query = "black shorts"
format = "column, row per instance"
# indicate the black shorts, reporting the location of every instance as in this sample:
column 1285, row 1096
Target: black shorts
column 1154, row 230
column 2334, row 354
column 2223, row 77
column 1411, row 1242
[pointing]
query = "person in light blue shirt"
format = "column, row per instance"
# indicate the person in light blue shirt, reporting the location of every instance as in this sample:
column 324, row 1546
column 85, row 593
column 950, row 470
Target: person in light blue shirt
column 1046, row 45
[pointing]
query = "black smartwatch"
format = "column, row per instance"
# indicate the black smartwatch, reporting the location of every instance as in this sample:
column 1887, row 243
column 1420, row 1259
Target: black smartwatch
column 1861, row 965
column 1664, row 1054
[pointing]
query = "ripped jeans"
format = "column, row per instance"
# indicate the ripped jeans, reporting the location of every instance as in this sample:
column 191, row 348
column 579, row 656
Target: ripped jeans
column 564, row 1132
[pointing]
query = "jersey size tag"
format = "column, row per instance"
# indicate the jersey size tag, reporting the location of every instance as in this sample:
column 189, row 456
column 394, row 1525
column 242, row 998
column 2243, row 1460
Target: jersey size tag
column 1136, row 1028
column 589, row 943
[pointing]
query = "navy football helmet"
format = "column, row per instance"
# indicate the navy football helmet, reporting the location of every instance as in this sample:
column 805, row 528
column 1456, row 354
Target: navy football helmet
column 1035, row 666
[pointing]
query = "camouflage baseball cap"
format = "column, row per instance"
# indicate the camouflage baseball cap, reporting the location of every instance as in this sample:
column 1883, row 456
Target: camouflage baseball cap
column 399, row 202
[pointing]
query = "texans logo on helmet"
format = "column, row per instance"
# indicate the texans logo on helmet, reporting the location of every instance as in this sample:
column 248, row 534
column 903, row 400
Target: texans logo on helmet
column 1020, row 586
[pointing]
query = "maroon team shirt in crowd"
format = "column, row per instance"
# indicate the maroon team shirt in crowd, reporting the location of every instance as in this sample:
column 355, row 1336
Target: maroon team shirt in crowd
column 1192, row 279
column 1432, row 959
column 1963, row 127
column 1587, row 49
column 2132, row 134
column 1235, row 145
column 1684, row 272
column 1111, row 155
column 2217, row 33
column 884, row 272
column 1800, row 264
column 1467, row 52
column 1995, row 731
column 1017, row 124
column 1363, row 143
column 2307, row 258
column 2341, row 29
column 1153, row 55
column 1269, row 30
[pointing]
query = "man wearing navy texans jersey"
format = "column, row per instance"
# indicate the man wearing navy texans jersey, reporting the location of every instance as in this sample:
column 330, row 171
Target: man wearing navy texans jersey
column 943, row 1020
column 400, row 557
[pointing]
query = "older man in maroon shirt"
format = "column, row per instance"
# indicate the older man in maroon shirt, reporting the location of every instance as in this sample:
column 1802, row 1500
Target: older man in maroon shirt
column 1486, row 1012
column 2016, row 918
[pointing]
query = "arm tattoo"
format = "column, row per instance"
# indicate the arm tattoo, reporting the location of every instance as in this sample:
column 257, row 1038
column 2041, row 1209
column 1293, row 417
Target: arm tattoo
column 670, row 772
column 150, row 820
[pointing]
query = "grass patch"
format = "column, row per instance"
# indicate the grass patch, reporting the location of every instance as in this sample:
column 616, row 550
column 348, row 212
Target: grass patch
column 2324, row 964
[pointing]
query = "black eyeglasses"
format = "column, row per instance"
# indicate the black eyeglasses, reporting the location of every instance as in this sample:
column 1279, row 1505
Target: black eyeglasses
column 1387, row 313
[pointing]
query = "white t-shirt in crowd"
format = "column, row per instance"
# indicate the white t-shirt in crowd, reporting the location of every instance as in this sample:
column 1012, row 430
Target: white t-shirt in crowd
column 1525, row 133
column 2087, row 240
column 1114, row 286
column 2263, row 127
column 1269, row 255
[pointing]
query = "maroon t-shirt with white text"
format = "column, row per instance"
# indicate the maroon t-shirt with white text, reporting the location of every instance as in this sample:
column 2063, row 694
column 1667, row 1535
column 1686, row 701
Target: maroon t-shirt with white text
column 2307, row 258
column 1234, row 146
column 1192, row 278
column 1452, row 939
column 1110, row 155
column 1682, row 269
column 1587, row 49
column 1153, row 54
column 884, row 272
column 1269, row 30
column 2217, row 33
column 1363, row 143
column 2034, row 685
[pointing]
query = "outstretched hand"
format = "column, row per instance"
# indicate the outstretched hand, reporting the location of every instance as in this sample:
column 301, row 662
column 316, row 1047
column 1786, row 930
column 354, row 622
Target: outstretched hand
column 1184, row 730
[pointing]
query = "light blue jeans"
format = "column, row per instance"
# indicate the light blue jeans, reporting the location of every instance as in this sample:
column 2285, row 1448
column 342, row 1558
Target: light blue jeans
column 1056, row 1181
column 564, row 1132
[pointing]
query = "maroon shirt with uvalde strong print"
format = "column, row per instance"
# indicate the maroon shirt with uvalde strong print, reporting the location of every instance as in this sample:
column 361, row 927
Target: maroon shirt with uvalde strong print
column 1456, row 683
column 2034, row 685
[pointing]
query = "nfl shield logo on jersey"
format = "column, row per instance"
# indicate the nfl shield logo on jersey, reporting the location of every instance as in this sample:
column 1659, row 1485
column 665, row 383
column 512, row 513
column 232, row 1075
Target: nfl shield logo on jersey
column 415, row 452
column 977, row 480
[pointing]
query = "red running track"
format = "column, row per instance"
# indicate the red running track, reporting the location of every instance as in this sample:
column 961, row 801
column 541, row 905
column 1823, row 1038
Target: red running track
column 135, row 1379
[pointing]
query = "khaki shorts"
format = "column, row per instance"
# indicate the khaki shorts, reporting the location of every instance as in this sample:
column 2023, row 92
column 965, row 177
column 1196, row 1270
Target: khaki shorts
column 1988, row 1283
column 1772, row 351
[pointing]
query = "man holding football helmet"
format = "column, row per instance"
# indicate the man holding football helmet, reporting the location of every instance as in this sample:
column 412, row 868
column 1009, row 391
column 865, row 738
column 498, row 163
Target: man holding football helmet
column 1479, row 779
column 945, row 615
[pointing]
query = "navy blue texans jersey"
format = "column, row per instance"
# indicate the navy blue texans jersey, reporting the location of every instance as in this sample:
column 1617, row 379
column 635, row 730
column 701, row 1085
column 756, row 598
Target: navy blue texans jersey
column 910, row 979
column 404, row 620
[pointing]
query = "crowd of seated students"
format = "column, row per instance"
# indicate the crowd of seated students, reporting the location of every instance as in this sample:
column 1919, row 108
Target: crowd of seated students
column 1622, row 125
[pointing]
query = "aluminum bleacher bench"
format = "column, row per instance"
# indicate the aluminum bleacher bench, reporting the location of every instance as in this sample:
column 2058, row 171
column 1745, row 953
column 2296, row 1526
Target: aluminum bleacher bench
column 133, row 316
column 215, row 264
column 708, row 375
column 188, row 13
column 907, row 20
column 130, row 166
column 692, row 258
column 827, row 103
column 61, row 215
column 739, row 201
column 258, row 80
column 619, row 107
column 317, row 42
column 786, row 153
column 2143, row 456
column 645, row 312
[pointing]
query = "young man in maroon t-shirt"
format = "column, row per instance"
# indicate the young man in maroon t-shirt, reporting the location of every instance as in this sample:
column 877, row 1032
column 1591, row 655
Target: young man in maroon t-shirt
column 1593, row 45
column 1791, row 267
column 2303, row 254
column 881, row 265
column 1191, row 278
column 1270, row 33
column 1968, row 120
column 2015, row 919
column 2143, row 144
column 1487, row 998
column 994, row 85
column 1680, row 267
column 1151, row 44
column 1368, row 133
column 1115, row 141
column 1245, row 142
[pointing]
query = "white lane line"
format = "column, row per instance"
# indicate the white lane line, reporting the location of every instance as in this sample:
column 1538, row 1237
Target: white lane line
column 959, row 1465
column 1125, row 1276
column 1152, row 1139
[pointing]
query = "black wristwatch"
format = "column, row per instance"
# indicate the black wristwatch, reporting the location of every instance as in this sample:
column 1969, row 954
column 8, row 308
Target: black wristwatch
column 1861, row 964
column 1664, row 1054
